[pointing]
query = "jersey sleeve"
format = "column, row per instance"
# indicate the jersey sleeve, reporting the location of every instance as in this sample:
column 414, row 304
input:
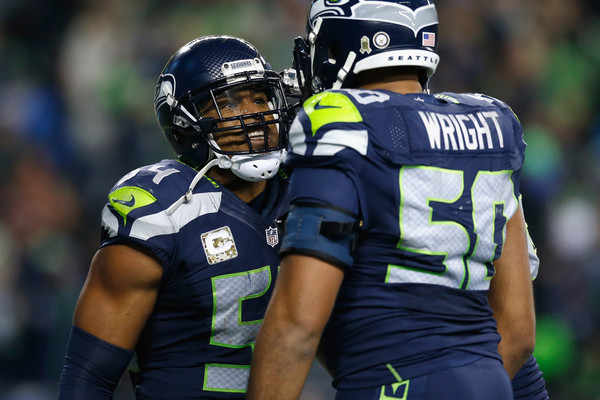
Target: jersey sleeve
column 534, row 261
column 324, row 186
column 141, row 211
column 327, row 124
column 133, row 216
column 326, row 139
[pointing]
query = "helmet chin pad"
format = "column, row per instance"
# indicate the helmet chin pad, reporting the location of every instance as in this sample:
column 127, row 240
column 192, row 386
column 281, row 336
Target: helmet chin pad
column 253, row 167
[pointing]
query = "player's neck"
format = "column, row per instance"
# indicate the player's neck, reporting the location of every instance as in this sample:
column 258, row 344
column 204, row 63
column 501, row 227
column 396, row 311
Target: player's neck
column 403, row 86
column 245, row 190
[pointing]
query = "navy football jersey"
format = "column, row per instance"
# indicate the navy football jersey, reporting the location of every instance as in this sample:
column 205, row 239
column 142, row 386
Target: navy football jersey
column 220, row 259
column 436, row 179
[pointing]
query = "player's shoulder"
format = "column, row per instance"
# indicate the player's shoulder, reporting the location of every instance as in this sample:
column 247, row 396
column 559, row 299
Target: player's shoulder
column 149, row 174
column 479, row 101
column 162, row 182
column 146, row 202
column 331, row 106
column 345, row 100
column 335, row 110
column 471, row 99
column 328, row 123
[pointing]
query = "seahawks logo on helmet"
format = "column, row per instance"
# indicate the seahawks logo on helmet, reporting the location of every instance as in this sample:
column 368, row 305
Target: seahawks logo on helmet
column 165, row 91
column 347, row 37
column 328, row 8
column 377, row 11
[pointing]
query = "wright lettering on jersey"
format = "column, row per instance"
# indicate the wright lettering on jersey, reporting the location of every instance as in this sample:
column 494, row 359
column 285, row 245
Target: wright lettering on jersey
column 463, row 131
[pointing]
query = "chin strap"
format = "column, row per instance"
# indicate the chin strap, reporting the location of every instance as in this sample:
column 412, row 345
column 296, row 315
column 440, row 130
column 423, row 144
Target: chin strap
column 252, row 168
column 188, row 195
column 344, row 71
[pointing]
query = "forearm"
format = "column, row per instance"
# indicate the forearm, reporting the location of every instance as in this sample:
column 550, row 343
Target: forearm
column 511, row 297
column 303, row 298
column 281, row 362
column 515, row 352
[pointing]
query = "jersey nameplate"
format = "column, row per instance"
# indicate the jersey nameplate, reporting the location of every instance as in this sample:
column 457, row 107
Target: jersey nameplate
column 476, row 131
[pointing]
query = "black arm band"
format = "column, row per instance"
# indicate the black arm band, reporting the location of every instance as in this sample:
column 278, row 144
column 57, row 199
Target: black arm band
column 322, row 231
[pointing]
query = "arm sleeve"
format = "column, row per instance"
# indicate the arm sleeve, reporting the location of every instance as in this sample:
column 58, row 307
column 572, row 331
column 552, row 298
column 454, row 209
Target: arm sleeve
column 528, row 383
column 92, row 367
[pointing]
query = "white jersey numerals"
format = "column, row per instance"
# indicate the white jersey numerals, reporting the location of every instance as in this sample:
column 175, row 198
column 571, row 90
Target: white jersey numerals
column 364, row 96
column 228, row 327
column 454, row 229
column 161, row 173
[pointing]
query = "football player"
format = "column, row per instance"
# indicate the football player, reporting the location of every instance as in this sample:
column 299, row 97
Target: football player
column 189, row 250
column 405, row 236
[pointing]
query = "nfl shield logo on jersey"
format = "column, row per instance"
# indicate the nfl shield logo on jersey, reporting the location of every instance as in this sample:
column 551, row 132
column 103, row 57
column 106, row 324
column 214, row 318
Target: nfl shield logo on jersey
column 272, row 236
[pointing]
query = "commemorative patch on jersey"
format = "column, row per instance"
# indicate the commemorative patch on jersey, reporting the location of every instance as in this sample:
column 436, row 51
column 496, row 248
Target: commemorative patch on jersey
column 272, row 236
column 219, row 245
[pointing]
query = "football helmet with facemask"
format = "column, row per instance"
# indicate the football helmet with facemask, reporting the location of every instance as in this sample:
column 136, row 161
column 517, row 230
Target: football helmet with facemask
column 346, row 37
column 219, row 102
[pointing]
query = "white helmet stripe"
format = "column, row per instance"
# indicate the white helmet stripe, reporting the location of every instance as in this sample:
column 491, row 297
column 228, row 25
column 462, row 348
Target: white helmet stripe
column 380, row 11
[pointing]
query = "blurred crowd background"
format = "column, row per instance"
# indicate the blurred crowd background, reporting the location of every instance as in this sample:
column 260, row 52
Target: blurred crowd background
column 77, row 81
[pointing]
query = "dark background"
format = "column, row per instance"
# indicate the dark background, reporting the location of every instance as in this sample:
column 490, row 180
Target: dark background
column 77, row 81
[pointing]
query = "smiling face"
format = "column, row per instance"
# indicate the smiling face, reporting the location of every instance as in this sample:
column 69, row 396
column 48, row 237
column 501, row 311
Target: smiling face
column 243, row 117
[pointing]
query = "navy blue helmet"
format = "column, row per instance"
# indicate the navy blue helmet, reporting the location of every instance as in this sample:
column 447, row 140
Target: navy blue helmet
column 189, row 101
column 346, row 37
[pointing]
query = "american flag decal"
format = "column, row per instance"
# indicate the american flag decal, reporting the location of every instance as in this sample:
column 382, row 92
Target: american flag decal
column 428, row 39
